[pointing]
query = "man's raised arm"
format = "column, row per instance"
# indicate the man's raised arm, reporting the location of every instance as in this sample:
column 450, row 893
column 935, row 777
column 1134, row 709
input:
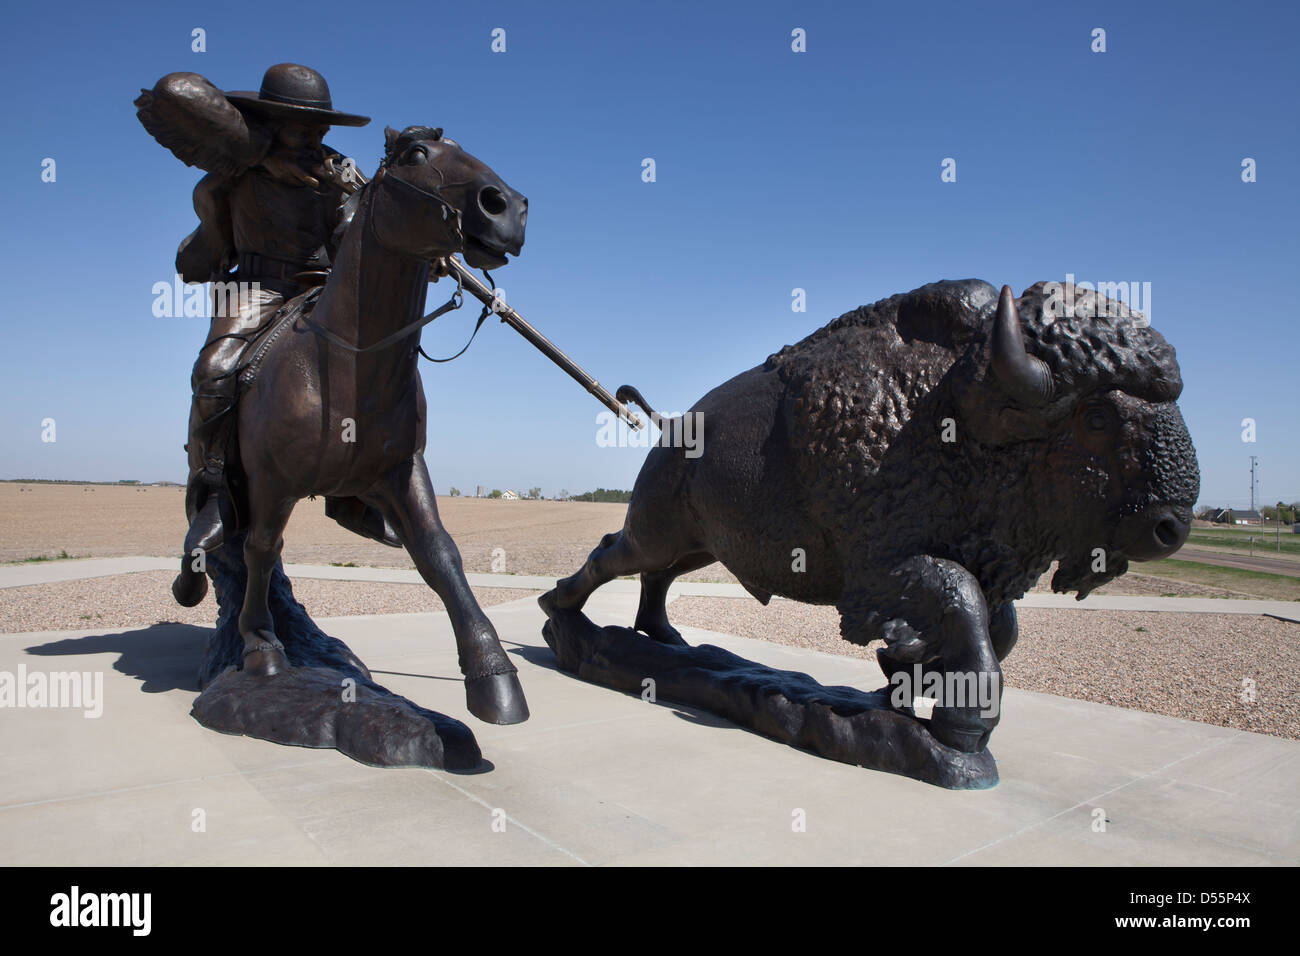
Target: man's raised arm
column 193, row 119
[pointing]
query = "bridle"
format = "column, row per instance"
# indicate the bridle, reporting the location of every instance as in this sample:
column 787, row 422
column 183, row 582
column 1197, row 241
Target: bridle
column 383, row 180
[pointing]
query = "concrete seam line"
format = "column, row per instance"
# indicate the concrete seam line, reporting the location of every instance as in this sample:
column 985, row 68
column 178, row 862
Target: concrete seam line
column 523, row 826
column 1095, row 798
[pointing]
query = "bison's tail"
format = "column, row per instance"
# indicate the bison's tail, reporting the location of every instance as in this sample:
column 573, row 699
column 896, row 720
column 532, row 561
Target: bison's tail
column 628, row 394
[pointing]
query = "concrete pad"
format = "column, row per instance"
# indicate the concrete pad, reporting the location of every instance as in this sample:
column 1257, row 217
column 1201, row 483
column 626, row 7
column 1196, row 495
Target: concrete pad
column 44, row 572
column 598, row 777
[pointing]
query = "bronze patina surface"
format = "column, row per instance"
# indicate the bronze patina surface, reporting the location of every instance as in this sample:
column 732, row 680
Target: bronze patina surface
column 917, row 463
column 311, row 387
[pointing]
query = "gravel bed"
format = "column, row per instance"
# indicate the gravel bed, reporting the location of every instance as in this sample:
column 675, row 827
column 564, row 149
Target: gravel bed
column 1172, row 663
column 550, row 538
column 145, row 598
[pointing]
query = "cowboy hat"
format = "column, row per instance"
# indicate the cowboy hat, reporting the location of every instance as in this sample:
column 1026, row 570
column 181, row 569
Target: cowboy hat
column 296, row 93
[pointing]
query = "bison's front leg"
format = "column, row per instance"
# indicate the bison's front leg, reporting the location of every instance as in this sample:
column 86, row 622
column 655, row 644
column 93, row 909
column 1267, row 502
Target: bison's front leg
column 1003, row 630
column 935, row 616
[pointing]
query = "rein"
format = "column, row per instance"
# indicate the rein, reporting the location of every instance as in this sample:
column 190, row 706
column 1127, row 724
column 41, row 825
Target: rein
column 455, row 302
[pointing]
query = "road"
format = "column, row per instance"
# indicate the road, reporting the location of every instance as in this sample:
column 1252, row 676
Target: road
column 1260, row 561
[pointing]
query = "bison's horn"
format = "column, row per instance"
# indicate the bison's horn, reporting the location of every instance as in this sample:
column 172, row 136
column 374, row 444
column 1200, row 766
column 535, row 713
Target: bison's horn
column 1024, row 377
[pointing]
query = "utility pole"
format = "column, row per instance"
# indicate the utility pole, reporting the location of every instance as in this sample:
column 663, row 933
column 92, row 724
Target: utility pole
column 1254, row 463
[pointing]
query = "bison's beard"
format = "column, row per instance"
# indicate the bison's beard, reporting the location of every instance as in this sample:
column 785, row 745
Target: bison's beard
column 1075, row 573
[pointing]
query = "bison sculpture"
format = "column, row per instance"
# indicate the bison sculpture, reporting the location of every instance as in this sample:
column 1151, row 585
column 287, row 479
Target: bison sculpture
column 919, row 463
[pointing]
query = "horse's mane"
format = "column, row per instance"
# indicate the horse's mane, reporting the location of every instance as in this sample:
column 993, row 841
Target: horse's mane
column 395, row 143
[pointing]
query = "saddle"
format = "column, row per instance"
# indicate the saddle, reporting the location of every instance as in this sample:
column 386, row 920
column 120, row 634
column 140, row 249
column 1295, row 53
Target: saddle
column 263, row 339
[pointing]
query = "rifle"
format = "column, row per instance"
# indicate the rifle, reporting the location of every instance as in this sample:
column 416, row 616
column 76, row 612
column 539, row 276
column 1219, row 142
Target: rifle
column 351, row 180
column 457, row 270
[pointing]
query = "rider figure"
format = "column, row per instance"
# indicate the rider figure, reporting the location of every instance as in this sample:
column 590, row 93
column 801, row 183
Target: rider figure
column 271, row 209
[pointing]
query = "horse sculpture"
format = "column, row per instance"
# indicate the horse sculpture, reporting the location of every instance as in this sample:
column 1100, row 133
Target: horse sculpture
column 332, row 404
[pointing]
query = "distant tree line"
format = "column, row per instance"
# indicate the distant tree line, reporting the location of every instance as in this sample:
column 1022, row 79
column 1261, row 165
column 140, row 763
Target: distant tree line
column 605, row 494
column 1270, row 512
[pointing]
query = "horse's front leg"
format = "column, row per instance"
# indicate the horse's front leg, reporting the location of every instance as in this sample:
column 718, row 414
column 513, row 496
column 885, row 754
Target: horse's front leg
column 492, row 689
column 263, row 652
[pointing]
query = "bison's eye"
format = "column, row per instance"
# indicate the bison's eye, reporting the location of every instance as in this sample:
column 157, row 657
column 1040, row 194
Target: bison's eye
column 1096, row 419
column 417, row 156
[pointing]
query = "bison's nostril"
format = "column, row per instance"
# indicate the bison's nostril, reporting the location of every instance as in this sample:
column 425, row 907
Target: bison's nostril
column 492, row 200
column 1169, row 533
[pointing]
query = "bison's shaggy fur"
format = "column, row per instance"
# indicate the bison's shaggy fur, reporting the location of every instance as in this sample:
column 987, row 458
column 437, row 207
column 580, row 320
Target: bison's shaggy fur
column 919, row 463
column 873, row 389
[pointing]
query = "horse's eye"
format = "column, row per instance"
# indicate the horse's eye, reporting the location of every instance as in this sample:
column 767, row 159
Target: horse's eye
column 418, row 156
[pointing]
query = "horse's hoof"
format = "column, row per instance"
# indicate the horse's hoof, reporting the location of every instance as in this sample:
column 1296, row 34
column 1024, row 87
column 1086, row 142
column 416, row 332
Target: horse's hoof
column 190, row 588
column 497, row 699
column 266, row 659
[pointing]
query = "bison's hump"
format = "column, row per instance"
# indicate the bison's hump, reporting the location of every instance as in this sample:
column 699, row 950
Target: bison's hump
column 947, row 312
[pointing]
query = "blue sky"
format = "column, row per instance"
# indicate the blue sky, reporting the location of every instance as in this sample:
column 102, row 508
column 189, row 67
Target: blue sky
column 775, row 170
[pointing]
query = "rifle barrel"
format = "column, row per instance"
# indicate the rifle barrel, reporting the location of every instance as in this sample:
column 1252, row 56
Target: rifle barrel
column 544, row 345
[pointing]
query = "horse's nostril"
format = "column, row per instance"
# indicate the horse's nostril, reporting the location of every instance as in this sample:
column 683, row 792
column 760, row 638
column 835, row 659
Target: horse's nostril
column 492, row 200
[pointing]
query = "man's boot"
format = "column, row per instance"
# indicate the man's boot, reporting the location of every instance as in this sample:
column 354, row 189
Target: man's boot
column 215, row 514
column 359, row 518
column 207, row 533
column 209, row 438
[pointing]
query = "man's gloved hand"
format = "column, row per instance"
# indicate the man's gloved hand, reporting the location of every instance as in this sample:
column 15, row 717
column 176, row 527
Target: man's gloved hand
column 284, row 166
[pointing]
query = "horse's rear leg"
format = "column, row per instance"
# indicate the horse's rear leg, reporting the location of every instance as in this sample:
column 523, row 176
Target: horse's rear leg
column 492, row 689
column 263, row 652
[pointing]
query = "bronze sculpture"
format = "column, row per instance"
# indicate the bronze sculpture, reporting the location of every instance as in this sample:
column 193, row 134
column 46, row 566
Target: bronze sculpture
column 270, row 210
column 329, row 396
column 927, row 457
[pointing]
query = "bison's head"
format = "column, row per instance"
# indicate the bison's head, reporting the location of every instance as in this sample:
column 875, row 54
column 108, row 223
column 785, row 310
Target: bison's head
column 1093, row 389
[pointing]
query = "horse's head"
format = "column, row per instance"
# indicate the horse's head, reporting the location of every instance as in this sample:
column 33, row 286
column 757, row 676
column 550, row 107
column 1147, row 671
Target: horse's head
column 433, row 199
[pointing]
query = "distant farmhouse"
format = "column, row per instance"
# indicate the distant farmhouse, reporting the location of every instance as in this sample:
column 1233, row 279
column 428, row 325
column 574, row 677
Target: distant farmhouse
column 1238, row 516
column 509, row 495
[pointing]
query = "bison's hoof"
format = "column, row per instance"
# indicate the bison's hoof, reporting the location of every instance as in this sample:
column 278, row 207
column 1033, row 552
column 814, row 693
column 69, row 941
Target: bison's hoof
column 265, row 658
column 967, row 734
column 497, row 699
column 664, row 634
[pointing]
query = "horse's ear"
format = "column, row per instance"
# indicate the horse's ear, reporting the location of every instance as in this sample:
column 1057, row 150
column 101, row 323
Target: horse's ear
column 437, row 132
column 390, row 137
